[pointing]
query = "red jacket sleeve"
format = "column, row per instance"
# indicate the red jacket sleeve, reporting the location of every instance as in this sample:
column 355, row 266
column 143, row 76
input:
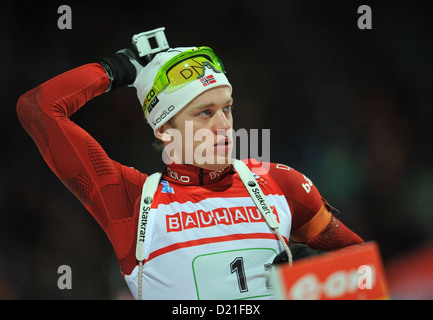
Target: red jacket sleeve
column 305, row 201
column 107, row 189
column 302, row 196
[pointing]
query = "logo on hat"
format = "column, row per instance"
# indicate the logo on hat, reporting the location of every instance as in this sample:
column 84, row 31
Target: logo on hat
column 152, row 104
column 205, row 81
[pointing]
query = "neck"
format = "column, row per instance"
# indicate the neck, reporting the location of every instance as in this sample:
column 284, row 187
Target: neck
column 193, row 175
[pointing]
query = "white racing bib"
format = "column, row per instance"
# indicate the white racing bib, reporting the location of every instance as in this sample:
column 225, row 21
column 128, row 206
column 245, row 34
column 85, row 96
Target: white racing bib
column 197, row 243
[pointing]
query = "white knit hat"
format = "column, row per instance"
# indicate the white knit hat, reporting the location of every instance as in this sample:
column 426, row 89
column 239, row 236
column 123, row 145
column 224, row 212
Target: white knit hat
column 168, row 104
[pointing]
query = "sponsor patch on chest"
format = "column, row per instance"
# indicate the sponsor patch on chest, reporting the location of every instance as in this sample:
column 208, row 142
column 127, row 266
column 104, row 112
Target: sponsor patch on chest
column 227, row 216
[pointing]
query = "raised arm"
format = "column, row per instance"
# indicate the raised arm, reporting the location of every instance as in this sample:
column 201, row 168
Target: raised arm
column 71, row 153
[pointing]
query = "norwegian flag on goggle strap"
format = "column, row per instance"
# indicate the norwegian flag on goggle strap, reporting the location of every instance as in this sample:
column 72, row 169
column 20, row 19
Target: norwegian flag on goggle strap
column 207, row 80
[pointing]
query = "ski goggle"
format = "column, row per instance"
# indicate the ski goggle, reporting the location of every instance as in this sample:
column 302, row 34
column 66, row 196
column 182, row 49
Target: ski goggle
column 182, row 69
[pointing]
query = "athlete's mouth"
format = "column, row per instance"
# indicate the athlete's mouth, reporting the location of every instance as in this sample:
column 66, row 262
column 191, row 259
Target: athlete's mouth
column 223, row 142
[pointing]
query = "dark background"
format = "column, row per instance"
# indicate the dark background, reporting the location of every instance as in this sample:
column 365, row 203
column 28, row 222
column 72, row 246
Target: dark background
column 350, row 108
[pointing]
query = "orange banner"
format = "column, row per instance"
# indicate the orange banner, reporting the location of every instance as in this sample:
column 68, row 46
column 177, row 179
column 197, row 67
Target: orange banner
column 352, row 273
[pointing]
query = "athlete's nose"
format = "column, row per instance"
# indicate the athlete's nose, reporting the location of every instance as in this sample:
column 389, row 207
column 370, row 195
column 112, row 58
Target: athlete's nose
column 221, row 121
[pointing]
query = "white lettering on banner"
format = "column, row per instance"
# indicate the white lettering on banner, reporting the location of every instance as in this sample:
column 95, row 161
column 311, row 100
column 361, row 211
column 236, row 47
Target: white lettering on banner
column 173, row 223
column 228, row 216
column 366, row 277
column 337, row 284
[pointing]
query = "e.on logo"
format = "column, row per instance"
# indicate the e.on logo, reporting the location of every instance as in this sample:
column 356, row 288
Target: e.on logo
column 201, row 219
column 336, row 286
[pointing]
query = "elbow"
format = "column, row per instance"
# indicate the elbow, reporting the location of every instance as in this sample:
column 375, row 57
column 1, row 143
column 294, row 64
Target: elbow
column 28, row 108
column 31, row 117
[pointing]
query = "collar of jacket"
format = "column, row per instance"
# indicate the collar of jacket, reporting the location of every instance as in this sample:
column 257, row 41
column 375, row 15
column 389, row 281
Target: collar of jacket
column 195, row 176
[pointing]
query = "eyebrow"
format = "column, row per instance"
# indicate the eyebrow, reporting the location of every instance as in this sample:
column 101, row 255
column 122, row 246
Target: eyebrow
column 208, row 105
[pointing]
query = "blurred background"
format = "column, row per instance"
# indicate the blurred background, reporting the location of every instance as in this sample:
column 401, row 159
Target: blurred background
column 350, row 108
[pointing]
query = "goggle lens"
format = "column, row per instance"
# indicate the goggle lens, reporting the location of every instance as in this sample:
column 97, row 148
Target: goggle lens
column 182, row 70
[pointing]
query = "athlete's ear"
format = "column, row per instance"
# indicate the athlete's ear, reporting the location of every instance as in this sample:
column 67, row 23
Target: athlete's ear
column 161, row 133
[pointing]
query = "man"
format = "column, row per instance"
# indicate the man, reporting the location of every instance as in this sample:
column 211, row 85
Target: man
column 202, row 234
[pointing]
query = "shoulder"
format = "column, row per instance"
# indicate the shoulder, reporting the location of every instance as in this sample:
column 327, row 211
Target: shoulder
column 294, row 183
column 131, row 179
column 303, row 197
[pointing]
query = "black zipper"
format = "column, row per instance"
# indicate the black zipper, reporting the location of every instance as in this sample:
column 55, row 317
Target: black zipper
column 200, row 176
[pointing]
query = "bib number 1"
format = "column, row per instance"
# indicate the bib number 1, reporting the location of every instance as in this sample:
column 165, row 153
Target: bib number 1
column 237, row 266
column 237, row 274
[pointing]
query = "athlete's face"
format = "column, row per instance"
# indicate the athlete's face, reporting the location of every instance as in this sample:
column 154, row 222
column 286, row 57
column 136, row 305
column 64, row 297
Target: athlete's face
column 205, row 127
